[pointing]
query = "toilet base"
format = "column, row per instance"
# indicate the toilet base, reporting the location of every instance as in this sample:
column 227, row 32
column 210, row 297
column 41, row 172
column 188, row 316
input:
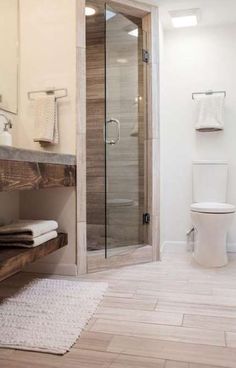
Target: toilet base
column 210, row 246
column 220, row 261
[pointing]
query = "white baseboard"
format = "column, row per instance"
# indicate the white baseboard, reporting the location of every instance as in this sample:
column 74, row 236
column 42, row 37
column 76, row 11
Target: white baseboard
column 231, row 247
column 173, row 243
column 54, row 269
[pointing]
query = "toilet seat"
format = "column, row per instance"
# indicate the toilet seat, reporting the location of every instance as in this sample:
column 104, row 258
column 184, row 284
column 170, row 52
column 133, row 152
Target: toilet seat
column 212, row 207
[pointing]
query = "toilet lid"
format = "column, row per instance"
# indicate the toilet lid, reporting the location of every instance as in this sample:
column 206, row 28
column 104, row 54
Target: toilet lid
column 213, row 207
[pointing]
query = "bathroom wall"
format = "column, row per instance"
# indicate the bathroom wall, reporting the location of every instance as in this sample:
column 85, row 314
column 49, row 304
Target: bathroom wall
column 57, row 204
column 47, row 60
column 194, row 59
column 10, row 207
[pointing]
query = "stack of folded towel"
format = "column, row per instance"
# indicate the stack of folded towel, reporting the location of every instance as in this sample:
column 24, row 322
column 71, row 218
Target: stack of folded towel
column 28, row 233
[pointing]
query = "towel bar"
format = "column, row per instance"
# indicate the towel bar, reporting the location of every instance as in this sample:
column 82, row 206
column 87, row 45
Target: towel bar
column 50, row 92
column 208, row 93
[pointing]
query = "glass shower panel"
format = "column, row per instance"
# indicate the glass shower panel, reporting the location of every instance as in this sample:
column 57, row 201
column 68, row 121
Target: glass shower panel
column 124, row 133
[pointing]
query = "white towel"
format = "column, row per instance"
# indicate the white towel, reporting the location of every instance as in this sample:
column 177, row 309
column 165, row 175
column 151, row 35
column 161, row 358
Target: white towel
column 209, row 109
column 46, row 120
column 29, row 243
column 31, row 228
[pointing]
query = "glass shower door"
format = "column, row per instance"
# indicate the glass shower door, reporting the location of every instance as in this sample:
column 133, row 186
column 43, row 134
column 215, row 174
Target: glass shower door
column 124, row 133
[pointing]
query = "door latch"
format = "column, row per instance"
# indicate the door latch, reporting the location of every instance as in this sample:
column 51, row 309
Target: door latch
column 146, row 56
column 146, row 218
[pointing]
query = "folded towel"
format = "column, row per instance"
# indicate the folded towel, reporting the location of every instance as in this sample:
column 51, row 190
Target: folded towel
column 46, row 120
column 31, row 228
column 210, row 112
column 29, row 243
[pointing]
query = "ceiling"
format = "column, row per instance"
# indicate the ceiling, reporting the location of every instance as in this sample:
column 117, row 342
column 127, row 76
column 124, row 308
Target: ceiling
column 213, row 12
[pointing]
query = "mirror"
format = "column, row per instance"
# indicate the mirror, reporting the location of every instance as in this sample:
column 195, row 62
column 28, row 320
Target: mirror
column 9, row 55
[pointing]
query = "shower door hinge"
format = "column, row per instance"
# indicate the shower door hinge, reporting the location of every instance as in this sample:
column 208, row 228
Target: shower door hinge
column 146, row 56
column 146, row 218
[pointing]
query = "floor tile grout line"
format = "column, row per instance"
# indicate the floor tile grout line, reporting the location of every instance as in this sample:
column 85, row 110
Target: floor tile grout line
column 156, row 304
column 226, row 339
column 144, row 322
column 158, row 339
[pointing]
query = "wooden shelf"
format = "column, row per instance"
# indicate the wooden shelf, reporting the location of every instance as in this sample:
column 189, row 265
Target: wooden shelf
column 13, row 259
column 23, row 175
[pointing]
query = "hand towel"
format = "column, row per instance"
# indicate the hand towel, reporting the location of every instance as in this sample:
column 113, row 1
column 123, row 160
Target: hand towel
column 46, row 120
column 32, row 228
column 209, row 109
column 14, row 242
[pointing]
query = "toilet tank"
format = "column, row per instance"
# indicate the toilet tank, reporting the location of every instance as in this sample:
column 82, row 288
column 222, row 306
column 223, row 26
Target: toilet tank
column 210, row 181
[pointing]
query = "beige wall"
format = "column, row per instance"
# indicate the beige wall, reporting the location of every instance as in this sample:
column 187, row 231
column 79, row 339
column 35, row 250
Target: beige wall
column 47, row 60
column 9, row 208
column 57, row 204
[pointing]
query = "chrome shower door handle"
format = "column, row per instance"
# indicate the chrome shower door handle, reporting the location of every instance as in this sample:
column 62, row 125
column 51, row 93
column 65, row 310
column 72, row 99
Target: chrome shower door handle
column 116, row 124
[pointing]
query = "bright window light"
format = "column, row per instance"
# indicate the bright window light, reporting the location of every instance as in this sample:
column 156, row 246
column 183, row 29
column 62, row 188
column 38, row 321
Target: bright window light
column 89, row 11
column 134, row 32
column 185, row 18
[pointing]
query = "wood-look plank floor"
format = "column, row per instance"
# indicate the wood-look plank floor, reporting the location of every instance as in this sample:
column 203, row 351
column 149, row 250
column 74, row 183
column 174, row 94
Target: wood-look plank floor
column 171, row 314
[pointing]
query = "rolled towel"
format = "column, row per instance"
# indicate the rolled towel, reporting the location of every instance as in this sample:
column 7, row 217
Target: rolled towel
column 30, row 228
column 14, row 242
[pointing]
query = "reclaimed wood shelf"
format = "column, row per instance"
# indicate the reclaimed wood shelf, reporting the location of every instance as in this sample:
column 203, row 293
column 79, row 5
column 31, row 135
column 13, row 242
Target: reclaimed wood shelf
column 20, row 175
column 23, row 169
column 14, row 259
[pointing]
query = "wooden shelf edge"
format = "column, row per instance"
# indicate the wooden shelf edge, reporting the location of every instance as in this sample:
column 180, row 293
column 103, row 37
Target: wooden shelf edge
column 13, row 260
column 20, row 175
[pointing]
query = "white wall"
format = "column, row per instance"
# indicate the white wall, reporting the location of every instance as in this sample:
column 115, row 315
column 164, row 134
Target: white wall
column 195, row 59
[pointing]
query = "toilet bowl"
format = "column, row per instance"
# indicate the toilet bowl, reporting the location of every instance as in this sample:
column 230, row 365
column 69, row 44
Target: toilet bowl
column 211, row 221
column 211, row 215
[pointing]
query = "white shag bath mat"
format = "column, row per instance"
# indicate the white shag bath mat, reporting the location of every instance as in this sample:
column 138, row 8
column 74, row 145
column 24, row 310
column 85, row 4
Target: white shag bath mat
column 48, row 315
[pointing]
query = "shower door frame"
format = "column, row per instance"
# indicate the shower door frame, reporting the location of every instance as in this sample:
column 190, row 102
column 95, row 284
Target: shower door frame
column 150, row 24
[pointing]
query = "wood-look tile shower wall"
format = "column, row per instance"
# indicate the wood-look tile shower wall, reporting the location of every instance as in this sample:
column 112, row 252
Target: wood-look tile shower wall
column 95, row 65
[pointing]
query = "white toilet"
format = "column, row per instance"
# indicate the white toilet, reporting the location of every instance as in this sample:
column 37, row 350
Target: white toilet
column 211, row 216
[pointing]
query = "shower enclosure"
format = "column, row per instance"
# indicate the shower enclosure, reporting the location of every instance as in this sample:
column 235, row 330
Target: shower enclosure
column 117, row 56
